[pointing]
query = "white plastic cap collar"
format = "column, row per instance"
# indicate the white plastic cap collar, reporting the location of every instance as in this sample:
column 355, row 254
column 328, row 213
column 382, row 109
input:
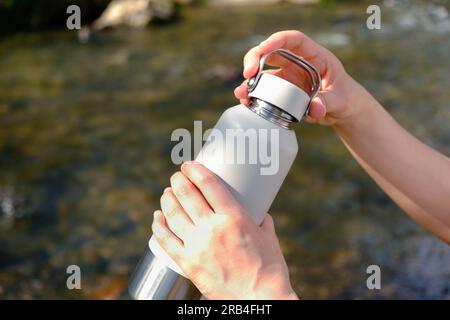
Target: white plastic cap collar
column 282, row 94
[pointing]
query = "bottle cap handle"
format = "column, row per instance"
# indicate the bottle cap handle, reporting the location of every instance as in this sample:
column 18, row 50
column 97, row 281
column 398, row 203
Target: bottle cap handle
column 312, row 72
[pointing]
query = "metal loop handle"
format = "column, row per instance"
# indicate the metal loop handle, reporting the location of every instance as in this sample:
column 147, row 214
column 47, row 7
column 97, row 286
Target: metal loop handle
column 299, row 61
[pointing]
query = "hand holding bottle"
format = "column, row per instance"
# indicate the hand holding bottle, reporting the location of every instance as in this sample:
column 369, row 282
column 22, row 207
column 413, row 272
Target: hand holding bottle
column 214, row 241
column 334, row 102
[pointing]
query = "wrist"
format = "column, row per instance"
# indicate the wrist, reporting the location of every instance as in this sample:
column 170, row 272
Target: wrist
column 290, row 295
column 276, row 290
column 362, row 109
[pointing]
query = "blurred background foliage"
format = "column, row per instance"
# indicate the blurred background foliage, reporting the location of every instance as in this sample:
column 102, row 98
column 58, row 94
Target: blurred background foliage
column 85, row 141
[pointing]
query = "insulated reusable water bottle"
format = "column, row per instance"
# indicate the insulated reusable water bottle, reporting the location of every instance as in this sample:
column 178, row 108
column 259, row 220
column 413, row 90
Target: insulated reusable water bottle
column 275, row 104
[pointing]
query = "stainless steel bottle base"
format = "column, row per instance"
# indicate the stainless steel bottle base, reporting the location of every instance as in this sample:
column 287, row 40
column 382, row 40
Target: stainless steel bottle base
column 152, row 280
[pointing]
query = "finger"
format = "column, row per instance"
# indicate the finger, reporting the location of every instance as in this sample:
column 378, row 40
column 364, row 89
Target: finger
column 165, row 237
column 320, row 105
column 177, row 219
column 317, row 109
column 251, row 62
column 296, row 76
column 241, row 92
column 213, row 189
column 190, row 198
column 253, row 57
column 291, row 40
column 299, row 78
column 245, row 102
column 297, row 42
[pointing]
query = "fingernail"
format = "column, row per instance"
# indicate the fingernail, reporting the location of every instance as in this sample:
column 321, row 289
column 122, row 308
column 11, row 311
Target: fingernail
column 189, row 165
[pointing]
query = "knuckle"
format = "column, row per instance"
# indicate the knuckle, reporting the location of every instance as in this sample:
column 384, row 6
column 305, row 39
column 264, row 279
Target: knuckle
column 171, row 213
column 251, row 53
column 179, row 185
column 169, row 208
column 246, row 57
column 236, row 220
column 182, row 190
column 162, row 238
column 220, row 226
column 206, row 180
column 296, row 33
column 178, row 223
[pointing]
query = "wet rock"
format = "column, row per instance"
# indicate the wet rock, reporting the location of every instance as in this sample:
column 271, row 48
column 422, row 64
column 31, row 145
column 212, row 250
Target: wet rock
column 241, row 2
column 134, row 13
column 430, row 17
column 221, row 72
column 84, row 34
column 333, row 39
column 12, row 205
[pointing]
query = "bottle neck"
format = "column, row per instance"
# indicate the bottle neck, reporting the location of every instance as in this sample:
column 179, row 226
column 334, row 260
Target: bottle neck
column 271, row 113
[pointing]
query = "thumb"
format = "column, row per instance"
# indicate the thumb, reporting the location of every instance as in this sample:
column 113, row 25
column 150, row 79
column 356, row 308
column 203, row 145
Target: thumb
column 322, row 105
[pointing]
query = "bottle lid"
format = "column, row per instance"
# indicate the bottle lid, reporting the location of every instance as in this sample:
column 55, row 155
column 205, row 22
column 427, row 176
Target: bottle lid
column 282, row 93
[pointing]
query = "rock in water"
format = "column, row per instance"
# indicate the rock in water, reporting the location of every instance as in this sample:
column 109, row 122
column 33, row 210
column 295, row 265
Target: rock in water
column 84, row 35
column 134, row 13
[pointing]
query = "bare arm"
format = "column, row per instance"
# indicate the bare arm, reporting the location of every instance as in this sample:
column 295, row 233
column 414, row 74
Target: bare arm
column 414, row 175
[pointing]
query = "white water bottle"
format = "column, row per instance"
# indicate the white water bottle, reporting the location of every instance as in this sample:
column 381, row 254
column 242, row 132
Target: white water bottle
column 251, row 149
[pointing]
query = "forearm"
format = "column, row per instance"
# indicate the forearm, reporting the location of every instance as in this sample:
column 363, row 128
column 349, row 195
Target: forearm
column 414, row 175
column 418, row 214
